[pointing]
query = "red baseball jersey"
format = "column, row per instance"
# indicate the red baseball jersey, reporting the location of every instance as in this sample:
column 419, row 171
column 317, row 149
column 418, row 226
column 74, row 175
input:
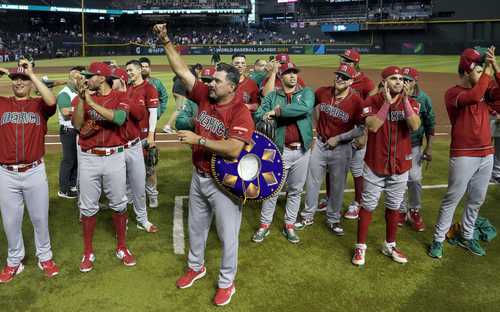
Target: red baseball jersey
column 388, row 151
column 22, row 129
column 248, row 91
column 108, row 134
column 363, row 85
column 146, row 96
column 277, row 82
column 218, row 122
column 469, row 115
column 336, row 117
column 131, row 129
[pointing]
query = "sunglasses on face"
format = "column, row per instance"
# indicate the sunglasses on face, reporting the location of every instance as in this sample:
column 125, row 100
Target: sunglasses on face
column 407, row 80
column 341, row 77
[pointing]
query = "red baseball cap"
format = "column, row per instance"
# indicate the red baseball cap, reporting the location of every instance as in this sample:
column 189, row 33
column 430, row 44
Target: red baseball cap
column 207, row 74
column 98, row 68
column 18, row 72
column 346, row 70
column 352, row 55
column 391, row 70
column 469, row 59
column 410, row 73
column 282, row 58
column 288, row 67
column 120, row 73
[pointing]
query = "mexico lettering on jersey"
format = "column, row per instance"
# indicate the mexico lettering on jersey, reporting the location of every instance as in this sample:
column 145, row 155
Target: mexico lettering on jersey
column 218, row 122
column 146, row 96
column 336, row 117
column 388, row 151
column 23, row 125
column 469, row 115
column 109, row 134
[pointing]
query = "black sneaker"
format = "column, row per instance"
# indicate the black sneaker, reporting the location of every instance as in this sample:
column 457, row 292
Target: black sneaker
column 336, row 228
column 69, row 194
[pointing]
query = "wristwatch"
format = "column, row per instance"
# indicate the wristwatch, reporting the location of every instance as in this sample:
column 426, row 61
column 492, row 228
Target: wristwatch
column 202, row 141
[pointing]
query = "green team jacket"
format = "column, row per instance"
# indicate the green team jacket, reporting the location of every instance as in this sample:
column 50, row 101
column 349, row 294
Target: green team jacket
column 186, row 115
column 427, row 117
column 162, row 94
column 300, row 109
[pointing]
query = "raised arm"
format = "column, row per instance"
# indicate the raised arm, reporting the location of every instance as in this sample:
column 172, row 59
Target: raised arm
column 176, row 63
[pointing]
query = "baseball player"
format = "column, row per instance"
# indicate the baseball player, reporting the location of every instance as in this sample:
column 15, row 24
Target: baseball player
column 365, row 87
column 410, row 211
column 471, row 152
column 179, row 92
column 67, row 134
column 273, row 81
column 22, row 170
column 98, row 117
column 138, row 95
column 247, row 88
column 292, row 108
column 156, row 82
column 148, row 125
column 223, row 125
column 259, row 72
column 390, row 116
column 338, row 109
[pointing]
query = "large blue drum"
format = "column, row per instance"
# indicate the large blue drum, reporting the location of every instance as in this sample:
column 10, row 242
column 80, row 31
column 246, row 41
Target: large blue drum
column 256, row 175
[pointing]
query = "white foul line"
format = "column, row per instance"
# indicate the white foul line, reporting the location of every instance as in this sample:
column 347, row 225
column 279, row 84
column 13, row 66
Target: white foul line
column 178, row 229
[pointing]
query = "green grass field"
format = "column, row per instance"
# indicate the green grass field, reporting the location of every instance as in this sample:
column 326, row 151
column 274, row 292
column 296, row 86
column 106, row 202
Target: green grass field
column 315, row 275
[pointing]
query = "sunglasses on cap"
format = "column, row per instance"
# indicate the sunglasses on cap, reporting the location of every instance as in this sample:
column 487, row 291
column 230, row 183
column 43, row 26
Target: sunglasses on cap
column 341, row 77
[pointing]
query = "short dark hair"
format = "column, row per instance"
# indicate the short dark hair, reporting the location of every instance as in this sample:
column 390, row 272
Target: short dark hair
column 134, row 62
column 235, row 55
column 232, row 72
column 109, row 80
column 145, row 60
column 197, row 66
column 78, row 68
column 461, row 72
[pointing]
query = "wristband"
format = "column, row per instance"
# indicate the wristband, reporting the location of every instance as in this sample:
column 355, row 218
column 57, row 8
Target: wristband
column 382, row 112
column 409, row 112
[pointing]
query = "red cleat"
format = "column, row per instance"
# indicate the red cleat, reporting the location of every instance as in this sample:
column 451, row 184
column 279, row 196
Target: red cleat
column 187, row 280
column 416, row 221
column 49, row 267
column 223, row 295
column 8, row 272
column 125, row 256
column 87, row 263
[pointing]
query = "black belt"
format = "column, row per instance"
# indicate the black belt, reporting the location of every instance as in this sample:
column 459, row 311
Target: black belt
column 294, row 146
column 132, row 143
column 204, row 173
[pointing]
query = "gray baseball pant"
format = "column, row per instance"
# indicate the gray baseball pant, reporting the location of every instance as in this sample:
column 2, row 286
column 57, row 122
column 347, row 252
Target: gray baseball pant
column 393, row 186
column 206, row 199
column 357, row 161
column 101, row 172
column 335, row 162
column 496, row 165
column 31, row 187
column 465, row 174
column 414, row 184
column 296, row 163
column 136, row 182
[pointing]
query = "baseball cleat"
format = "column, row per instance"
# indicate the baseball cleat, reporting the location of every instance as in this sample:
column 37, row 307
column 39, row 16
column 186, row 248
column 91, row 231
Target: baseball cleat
column 168, row 129
column 148, row 227
column 352, row 212
column 436, row 250
column 323, row 203
column 303, row 224
column 261, row 233
column 390, row 250
column 336, row 228
column 290, row 235
column 471, row 245
column 359, row 255
column 68, row 195
column 125, row 256
column 416, row 220
column 8, row 273
column 153, row 202
column 49, row 267
column 223, row 295
column 187, row 280
column 87, row 263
